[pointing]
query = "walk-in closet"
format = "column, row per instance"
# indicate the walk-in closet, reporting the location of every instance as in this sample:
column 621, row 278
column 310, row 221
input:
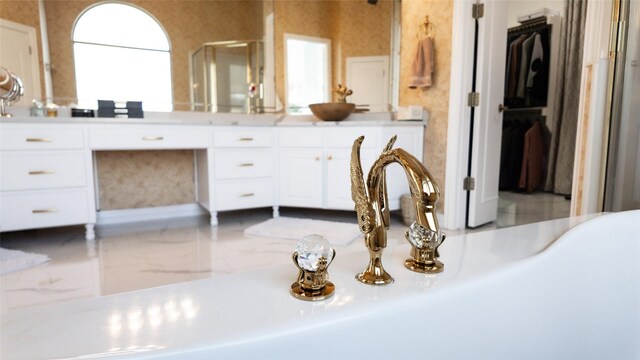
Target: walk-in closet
column 538, row 132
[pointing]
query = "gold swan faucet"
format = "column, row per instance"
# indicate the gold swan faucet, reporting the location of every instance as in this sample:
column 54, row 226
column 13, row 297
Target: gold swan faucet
column 372, row 208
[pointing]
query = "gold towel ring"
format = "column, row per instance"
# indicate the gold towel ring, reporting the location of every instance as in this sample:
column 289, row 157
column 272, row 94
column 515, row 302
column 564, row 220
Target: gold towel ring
column 426, row 28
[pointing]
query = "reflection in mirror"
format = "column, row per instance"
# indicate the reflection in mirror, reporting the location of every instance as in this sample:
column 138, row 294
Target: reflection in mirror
column 187, row 26
column 228, row 77
column 356, row 30
column 308, row 72
column 360, row 35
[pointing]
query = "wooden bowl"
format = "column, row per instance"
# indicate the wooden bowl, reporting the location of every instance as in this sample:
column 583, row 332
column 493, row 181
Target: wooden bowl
column 332, row 111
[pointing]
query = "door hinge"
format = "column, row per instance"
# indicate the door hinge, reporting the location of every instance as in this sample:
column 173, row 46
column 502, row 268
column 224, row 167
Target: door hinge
column 30, row 53
column 474, row 99
column 477, row 11
column 469, row 183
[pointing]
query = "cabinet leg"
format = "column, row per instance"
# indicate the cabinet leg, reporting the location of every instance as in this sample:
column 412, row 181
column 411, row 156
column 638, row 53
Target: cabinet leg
column 214, row 218
column 90, row 233
column 91, row 248
column 276, row 211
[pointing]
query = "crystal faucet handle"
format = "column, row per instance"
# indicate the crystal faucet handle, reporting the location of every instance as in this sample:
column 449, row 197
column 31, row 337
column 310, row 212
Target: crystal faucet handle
column 313, row 256
column 424, row 249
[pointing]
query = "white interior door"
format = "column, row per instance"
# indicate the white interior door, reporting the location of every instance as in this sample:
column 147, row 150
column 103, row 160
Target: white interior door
column 19, row 54
column 487, row 131
column 368, row 77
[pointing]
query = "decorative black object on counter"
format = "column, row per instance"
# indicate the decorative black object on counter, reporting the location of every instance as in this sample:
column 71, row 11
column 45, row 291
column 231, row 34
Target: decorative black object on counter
column 131, row 109
column 85, row 113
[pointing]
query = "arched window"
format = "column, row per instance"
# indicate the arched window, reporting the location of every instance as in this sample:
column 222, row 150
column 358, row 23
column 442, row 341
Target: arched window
column 122, row 53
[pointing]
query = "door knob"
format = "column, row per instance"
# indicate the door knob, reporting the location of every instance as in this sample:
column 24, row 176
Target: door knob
column 501, row 108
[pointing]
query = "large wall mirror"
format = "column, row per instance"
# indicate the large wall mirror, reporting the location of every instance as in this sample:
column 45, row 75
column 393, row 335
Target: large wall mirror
column 350, row 42
column 359, row 33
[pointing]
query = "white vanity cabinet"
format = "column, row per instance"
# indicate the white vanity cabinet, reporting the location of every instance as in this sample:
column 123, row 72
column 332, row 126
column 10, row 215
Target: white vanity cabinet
column 45, row 177
column 300, row 177
column 148, row 137
column 243, row 164
column 300, row 168
column 314, row 163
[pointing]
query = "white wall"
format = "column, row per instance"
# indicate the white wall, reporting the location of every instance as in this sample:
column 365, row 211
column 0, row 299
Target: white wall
column 518, row 8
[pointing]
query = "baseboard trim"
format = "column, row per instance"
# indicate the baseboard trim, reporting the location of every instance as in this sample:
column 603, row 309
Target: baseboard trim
column 108, row 217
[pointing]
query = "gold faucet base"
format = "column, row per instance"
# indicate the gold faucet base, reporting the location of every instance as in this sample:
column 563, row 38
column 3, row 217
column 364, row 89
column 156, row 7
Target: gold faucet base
column 431, row 267
column 312, row 295
column 373, row 279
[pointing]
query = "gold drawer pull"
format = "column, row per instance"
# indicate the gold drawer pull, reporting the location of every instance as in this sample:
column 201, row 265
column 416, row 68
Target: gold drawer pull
column 246, row 165
column 245, row 139
column 44, row 211
column 330, row 157
column 317, row 158
column 39, row 139
column 247, row 195
column 152, row 138
column 41, row 172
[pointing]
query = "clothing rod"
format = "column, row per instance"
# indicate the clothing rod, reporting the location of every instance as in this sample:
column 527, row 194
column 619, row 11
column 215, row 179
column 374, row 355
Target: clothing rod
column 535, row 24
column 536, row 108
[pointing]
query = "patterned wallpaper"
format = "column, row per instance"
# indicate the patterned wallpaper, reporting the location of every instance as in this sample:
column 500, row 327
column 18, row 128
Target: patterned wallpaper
column 435, row 98
column 138, row 179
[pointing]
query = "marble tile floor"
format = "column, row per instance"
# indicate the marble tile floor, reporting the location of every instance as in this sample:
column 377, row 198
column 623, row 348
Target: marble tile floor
column 520, row 208
column 130, row 257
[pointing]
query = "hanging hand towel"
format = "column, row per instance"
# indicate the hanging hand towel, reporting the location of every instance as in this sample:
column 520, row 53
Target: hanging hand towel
column 422, row 67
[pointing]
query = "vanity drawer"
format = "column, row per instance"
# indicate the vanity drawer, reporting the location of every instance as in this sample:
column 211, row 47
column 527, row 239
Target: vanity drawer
column 27, row 171
column 243, row 194
column 242, row 138
column 40, row 209
column 151, row 137
column 300, row 138
column 40, row 138
column 243, row 164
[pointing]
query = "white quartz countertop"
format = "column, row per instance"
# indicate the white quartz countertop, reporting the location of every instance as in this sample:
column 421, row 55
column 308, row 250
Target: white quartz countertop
column 213, row 119
column 232, row 310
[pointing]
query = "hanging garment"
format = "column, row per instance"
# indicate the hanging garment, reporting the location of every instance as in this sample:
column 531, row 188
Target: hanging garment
column 527, row 67
column 514, row 49
column 515, row 155
column 505, row 154
column 523, row 71
column 537, row 57
column 531, row 176
column 540, row 87
column 507, row 68
column 422, row 67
